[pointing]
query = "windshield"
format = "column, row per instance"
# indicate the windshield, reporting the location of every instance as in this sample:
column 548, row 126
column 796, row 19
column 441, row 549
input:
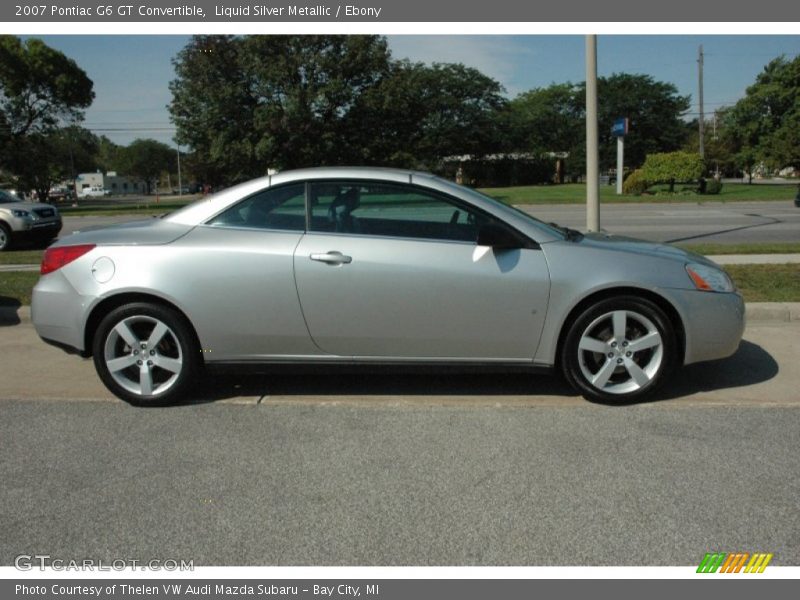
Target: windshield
column 6, row 197
column 548, row 227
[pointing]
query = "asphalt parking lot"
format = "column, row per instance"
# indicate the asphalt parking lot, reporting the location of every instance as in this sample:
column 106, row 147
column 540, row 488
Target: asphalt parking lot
column 384, row 468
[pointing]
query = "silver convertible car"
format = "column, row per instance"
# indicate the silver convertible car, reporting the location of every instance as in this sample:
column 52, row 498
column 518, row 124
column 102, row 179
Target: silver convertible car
column 383, row 266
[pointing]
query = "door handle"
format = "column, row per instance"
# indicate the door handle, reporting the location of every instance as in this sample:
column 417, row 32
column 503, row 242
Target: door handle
column 332, row 258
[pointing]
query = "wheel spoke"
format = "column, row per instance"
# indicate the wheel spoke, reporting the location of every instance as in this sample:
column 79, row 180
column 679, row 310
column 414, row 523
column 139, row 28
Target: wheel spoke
column 157, row 334
column 146, row 379
column 170, row 364
column 648, row 340
column 123, row 362
column 619, row 318
column 635, row 371
column 592, row 345
column 126, row 334
column 602, row 376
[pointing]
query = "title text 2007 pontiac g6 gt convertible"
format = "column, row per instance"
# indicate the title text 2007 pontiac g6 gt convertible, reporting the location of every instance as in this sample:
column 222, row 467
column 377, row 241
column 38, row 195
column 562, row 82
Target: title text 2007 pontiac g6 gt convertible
column 343, row 265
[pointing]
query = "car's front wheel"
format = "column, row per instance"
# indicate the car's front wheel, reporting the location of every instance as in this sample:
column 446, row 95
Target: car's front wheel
column 5, row 237
column 619, row 350
column 146, row 354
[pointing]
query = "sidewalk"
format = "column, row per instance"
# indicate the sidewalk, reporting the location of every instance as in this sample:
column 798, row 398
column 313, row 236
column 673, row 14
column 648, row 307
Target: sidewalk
column 754, row 259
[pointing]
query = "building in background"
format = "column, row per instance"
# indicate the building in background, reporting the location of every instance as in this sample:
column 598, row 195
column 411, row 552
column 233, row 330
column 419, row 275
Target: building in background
column 99, row 184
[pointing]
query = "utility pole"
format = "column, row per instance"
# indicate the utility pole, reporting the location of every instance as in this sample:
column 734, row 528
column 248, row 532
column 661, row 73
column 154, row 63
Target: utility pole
column 592, row 141
column 180, row 183
column 700, row 100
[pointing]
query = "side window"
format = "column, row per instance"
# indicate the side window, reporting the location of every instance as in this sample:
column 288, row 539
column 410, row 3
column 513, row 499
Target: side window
column 386, row 209
column 274, row 208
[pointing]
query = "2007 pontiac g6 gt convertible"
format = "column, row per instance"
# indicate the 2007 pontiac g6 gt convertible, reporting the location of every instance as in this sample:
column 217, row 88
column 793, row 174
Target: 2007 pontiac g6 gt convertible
column 383, row 266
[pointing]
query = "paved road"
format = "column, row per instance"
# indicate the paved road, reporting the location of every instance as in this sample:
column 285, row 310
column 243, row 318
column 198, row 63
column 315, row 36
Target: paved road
column 383, row 468
column 732, row 222
column 386, row 485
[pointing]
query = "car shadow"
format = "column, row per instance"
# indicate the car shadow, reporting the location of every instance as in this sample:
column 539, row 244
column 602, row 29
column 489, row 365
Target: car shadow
column 750, row 365
column 376, row 381
column 8, row 311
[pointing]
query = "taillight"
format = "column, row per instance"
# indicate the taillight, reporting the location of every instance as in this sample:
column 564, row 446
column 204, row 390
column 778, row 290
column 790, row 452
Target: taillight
column 55, row 258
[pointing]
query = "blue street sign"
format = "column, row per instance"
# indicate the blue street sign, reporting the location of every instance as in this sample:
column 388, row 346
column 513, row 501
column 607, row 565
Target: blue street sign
column 620, row 127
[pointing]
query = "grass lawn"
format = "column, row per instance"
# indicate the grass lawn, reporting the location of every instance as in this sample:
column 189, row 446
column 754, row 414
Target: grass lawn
column 758, row 283
column 16, row 287
column 575, row 193
column 145, row 209
column 767, row 283
column 21, row 257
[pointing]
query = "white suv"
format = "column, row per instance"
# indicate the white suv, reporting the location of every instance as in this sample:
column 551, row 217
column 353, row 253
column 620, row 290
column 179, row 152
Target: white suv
column 26, row 220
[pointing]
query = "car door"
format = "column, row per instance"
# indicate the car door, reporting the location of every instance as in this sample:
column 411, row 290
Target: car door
column 236, row 274
column 393, row 271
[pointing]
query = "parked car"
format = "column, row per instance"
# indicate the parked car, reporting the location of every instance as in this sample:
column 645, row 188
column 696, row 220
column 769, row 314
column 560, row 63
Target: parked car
column 343, row 265
column 59, row 194
column 20, row 220
column 93, row 192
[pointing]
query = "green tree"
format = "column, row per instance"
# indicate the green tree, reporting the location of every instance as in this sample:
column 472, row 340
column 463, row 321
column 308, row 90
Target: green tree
column 420, row 114
column 547, row 119
column 108, row 155
column 672, row 167
column 40, row 90
column 553, row 119
column 763, row 126
column 243, row 105
column 39, row 87
column 45, row 159
column 147, row 159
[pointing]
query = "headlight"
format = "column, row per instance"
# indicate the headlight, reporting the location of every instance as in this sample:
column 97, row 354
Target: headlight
column 21, row 213
column 709, row 279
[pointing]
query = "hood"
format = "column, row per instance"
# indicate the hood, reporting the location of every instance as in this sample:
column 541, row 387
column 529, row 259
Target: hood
column 607, row 241
column 29, row 206
column 147, row 232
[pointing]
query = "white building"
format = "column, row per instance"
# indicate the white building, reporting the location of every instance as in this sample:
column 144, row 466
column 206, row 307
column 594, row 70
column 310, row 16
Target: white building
column 89, row 184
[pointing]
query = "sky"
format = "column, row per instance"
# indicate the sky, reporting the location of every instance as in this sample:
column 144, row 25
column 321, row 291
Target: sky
column 131, row 74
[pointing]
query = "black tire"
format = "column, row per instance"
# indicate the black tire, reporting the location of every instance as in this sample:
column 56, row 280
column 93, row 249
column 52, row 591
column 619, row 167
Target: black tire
column 5, row 237
column 177, row 346
column 630, row 374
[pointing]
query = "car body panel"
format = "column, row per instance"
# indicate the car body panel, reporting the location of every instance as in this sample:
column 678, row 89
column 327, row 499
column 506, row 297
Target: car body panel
column 397, row 298
column 599, row 263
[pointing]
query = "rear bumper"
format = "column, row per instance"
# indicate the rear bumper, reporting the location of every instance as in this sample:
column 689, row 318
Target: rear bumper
column 713, row 323
column 57, row 311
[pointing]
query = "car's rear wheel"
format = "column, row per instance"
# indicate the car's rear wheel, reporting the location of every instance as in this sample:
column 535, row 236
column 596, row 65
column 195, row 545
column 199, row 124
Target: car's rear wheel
column 146, row 354
column 619, row 350
column 5, row 237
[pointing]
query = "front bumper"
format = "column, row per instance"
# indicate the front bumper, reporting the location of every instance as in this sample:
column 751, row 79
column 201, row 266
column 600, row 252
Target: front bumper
column 713, row 323
column 40, row 230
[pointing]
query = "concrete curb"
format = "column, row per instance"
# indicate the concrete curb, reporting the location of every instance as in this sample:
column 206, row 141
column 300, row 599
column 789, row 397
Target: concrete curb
column 756, row 312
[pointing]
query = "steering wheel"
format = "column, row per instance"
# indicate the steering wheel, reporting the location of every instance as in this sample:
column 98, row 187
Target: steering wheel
column 454, row 217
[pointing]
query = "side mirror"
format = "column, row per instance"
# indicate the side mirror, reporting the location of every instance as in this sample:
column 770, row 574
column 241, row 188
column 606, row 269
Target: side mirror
column 498, row 237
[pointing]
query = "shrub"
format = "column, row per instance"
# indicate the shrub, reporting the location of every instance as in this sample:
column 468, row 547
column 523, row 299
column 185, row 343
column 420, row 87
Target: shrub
column 635, row 183
column 669, row 167
column 713, row 186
